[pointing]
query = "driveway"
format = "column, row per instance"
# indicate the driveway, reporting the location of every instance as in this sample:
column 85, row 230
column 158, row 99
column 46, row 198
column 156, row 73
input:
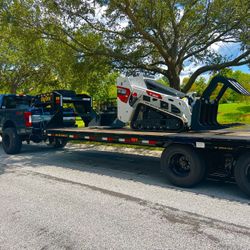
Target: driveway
column 99, row 197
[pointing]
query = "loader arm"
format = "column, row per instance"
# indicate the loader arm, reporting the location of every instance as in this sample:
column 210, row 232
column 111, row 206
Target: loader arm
column 227, row 83
column 205, row 109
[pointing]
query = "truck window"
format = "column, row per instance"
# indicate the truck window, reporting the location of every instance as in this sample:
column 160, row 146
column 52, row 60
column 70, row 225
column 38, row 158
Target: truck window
column 22, row 103
column 9, row 102
column 16, row 102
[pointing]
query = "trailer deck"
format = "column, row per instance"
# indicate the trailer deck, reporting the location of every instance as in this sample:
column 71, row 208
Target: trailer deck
column 230, row 137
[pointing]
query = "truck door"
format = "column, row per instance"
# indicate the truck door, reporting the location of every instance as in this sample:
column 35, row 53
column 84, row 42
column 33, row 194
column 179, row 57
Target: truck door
column 2, row 111
column 10, row 109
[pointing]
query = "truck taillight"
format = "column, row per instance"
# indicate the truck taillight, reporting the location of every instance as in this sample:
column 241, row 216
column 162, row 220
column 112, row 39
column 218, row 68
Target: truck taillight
column 123, row 94
column 27, row 118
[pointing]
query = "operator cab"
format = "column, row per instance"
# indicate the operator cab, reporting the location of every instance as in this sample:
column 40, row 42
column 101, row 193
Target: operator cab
column 155, row 86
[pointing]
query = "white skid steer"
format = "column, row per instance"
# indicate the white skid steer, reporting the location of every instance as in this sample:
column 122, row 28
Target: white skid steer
column 147, row 105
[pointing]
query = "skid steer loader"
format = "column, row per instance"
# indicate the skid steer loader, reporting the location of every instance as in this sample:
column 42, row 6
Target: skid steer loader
column 147, row 105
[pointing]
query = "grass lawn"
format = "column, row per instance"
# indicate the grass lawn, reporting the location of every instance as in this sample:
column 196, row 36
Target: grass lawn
column 234, row 112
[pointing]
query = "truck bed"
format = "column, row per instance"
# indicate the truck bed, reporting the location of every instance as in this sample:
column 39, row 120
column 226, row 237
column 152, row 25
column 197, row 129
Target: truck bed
column 228, row 137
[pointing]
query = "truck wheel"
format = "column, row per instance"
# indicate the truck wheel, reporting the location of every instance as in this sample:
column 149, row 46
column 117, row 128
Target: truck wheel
column 182, row 165
column 242, row 173
column 58, row 142
column 11, row 141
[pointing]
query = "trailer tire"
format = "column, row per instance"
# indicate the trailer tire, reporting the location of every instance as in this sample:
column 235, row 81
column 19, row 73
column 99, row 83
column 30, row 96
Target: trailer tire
column 242, row 173
column 182, row 165
column 11, row 141
column 58, row 142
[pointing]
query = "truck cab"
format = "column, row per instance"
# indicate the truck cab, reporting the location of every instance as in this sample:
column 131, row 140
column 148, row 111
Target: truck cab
column 14, row 113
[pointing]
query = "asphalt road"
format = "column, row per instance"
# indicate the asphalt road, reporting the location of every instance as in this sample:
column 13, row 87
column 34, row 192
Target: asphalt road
column 87, row 198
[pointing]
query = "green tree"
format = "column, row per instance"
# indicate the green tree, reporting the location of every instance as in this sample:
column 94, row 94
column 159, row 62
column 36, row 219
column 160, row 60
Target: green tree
column 34, row 61
column 199, row 86
column 157, row 36
column 21, row 69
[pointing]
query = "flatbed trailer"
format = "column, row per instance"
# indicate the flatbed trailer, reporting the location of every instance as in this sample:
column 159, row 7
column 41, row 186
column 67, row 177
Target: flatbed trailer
column 187, row 157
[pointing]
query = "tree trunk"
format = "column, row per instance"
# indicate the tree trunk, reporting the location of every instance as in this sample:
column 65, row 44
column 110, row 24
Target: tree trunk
column 13, row 88
column 174, row 79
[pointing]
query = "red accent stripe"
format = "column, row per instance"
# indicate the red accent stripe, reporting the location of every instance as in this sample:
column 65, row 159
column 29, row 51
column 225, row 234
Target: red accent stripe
column 153, row 94
column 134, row 139
column 131, row 140
column 123, row 94
column 152, row 142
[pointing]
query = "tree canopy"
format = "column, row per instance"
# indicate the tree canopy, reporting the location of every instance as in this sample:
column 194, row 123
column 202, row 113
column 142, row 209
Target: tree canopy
column 161, row 37
column 32, row 62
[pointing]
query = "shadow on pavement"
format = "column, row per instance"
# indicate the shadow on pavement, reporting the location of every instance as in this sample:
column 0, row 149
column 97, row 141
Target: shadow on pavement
column 144, row 169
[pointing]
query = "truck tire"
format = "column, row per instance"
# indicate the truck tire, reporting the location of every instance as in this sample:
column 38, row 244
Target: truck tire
column 58, row 142
column 11, row 141
column 182, row 165
column 242, row 173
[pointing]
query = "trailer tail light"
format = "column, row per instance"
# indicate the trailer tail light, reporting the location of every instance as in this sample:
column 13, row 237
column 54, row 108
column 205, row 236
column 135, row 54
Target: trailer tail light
column 153, row 94
column 123, row 94
column 58, row 100
column 27, row 118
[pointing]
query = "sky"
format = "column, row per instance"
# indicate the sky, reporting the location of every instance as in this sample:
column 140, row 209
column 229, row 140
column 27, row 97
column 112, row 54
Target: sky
column 230, row 50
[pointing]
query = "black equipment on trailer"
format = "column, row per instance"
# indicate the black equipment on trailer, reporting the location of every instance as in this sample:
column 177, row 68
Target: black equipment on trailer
column 205, row 109
column 56, row 102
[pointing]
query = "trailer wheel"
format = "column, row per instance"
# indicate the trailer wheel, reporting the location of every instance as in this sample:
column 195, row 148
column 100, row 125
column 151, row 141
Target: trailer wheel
column 58, row 142
column 11, row 141
column 182, row 165
column 242, row 173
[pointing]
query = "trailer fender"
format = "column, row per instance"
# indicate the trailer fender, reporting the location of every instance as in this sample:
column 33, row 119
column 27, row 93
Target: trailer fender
column 180, row 143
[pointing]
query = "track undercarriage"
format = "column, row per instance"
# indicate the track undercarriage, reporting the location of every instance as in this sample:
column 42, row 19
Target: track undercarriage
column 152, row 119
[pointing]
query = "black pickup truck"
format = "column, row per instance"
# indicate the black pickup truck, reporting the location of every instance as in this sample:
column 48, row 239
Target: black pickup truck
column 15, row 121
column 26, row 118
